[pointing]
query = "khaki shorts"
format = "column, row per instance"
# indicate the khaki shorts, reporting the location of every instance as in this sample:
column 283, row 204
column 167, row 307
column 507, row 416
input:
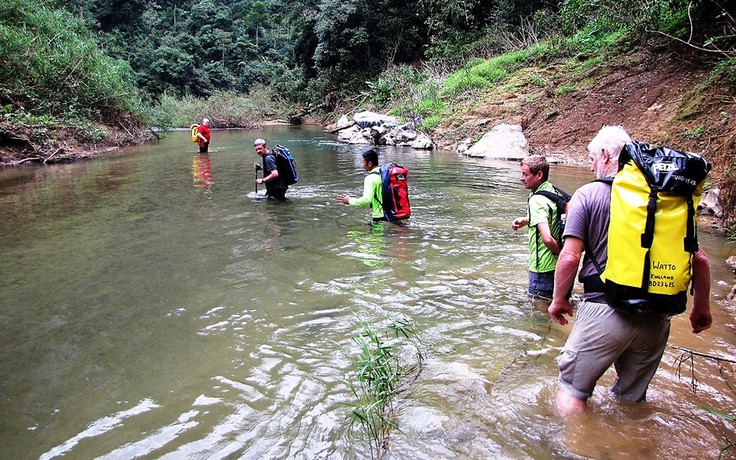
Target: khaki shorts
column 633, row 343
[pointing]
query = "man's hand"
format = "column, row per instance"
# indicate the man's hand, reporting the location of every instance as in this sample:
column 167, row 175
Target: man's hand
column 519, row 222
column 557, row 309
column 344, row 199
column 700, row 316
column 700, row 320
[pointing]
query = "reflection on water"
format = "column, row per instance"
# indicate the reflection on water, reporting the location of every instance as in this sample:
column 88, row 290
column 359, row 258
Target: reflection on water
column 202, row 172
column 149, row 311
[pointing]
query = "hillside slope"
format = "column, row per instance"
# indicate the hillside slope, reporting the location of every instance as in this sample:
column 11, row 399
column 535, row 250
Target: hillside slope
column 656, row 97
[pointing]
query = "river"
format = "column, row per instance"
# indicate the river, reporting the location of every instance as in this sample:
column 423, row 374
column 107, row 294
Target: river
column 152, row 306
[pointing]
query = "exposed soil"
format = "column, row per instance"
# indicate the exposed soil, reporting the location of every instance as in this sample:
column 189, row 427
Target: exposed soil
column 656, row 97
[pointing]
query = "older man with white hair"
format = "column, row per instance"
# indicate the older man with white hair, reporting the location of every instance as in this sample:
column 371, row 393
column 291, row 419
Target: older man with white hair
column 603, row 336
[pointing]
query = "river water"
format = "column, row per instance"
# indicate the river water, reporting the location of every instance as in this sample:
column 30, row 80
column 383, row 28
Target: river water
column 152, row 306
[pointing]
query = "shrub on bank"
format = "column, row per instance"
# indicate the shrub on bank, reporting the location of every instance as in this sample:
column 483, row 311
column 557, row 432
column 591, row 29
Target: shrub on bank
column 53, row 66
column 225, row 109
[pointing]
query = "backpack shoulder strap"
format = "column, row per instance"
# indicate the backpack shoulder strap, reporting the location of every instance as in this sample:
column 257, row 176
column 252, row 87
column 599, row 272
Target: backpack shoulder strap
column 378, row 173
column 606, row 180
column 552, row 196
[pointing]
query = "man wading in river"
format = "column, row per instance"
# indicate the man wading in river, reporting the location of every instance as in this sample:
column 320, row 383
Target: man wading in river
column 604, row 335
column 275, row 187
column 541, row 216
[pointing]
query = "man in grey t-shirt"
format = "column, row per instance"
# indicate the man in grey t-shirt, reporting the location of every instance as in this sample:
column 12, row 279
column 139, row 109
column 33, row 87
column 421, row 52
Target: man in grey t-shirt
column 603, row 336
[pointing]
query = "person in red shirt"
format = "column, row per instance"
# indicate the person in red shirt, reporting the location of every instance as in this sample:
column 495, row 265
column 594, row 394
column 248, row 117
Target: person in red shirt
column 203, row 135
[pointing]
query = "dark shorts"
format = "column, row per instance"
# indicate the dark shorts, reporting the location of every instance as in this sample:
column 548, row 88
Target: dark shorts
column 204, row 148
column 277, row 192
column 541, row 284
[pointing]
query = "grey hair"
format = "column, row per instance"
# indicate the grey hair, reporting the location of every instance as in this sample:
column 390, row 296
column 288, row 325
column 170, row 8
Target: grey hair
column 259, row 141
column 611, row 139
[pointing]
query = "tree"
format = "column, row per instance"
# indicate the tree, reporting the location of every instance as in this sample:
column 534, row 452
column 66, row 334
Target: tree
column 257, row 15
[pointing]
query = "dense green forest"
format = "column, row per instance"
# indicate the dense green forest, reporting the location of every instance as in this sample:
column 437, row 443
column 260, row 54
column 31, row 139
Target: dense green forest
column 106, row 70
column 88, row 56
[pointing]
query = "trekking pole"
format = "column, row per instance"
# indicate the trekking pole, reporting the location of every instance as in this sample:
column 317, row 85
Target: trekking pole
column 255, row 171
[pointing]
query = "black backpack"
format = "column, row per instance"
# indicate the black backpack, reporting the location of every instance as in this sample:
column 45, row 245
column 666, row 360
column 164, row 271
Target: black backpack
column 560, row 198
column 286, row 165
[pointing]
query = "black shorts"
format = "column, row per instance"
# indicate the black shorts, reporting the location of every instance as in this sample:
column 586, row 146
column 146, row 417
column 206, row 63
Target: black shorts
column 278, row 193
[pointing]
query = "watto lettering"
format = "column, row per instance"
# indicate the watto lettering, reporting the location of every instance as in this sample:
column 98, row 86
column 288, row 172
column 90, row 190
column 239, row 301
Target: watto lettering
column 656, row 265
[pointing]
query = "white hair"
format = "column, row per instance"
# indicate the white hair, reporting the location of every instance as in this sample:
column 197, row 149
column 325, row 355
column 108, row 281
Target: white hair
column 611, row 139
column 259, row 141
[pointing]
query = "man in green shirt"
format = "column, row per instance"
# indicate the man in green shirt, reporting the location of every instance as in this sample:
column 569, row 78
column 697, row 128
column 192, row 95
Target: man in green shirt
column 372, row 193
column 541, row 213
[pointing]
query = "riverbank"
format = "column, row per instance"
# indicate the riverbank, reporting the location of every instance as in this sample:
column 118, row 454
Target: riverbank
column 24, row 144
column 46, row 143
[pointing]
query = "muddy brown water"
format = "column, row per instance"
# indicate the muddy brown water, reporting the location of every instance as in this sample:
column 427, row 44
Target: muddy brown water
column 151, row 306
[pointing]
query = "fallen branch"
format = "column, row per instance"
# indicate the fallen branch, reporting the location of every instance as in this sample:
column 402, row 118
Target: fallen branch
column 27, row 159
column 60, row 149
column 703, row 355
column 726, row 53
column 688, row 356
column 337, row 129
column 120, row 123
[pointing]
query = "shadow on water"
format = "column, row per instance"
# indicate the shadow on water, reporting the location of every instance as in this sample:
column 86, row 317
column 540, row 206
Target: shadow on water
column 153, row 305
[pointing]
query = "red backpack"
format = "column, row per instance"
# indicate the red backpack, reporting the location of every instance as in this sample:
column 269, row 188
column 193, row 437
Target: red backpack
column 395, row 191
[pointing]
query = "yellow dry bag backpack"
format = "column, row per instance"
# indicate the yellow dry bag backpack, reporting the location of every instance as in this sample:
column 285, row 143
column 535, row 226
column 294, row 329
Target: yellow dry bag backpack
column 653, row 235
column 194, row 129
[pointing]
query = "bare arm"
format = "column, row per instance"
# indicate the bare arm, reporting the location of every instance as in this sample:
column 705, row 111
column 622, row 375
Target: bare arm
column 273, row 176
column 700, row 316
column 547, row 238
column 567, row 268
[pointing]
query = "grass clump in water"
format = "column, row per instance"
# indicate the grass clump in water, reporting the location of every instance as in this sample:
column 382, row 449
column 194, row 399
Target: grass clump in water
column 378, row 376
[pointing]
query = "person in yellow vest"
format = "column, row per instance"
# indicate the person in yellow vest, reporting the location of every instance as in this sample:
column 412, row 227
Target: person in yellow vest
column 602, row 335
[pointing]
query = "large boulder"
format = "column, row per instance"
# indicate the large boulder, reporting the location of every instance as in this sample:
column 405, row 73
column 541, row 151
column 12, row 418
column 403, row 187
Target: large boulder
column 354, row 135
column 377, row 129
column 404, row 134
column 711, row 203
column 503, row 142
column 422, row 142
column 369, row 119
